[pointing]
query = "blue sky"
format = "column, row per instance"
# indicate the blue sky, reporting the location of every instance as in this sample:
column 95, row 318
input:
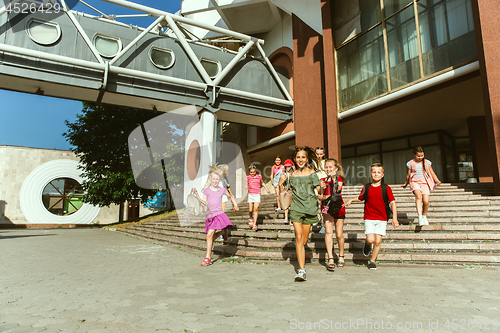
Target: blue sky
column 38, row 121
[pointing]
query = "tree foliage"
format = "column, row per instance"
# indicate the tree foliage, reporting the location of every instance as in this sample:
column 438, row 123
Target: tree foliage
column 100, row 139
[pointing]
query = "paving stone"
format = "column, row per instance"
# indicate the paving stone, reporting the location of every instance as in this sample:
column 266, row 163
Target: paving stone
column 115, row 283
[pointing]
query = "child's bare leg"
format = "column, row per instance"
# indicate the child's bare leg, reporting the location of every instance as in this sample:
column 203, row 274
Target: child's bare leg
column 339, row 232
column 250, row 211
column 377, row 244
column 418, row 201
column 210, row 242
column 277, row 190
column 301, row 237
column 425, row 200
column 286, row 215
column 255, row 212
column 328, row 235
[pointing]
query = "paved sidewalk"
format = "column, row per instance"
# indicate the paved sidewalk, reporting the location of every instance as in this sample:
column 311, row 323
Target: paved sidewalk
column 94, row 280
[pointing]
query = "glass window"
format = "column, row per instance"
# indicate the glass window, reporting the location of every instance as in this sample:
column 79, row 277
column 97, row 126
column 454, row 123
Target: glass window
column 162, row 58
column 107, row 46
column 370, row 13
column 62, row 196
column 44, row 33
column 348, row 152
column 361, row 69
column 424, row 140
column 368, row 149
column 395, row 166
column 403, row 48
column 392, row 6
column 447, row 33
column 395, row 144
column 212, row 67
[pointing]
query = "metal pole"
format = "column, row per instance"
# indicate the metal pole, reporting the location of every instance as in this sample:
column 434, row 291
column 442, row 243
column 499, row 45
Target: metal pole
column 138, row 38
column 233, row 62
column 181, row 19
column 273, row 72
column 189, row 51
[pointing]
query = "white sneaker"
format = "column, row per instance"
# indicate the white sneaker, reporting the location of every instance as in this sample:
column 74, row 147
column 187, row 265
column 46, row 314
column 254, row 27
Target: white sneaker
column 301, row 275
column 421, row 221
column 278, row 209
column 424, row 218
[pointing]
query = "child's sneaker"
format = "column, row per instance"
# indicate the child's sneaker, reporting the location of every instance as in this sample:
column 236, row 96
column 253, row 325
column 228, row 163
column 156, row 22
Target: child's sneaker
column 421, row 221
column 367, row 249
column 301, row 275
column 372, row 265
column 278, row 209
column 424, row 220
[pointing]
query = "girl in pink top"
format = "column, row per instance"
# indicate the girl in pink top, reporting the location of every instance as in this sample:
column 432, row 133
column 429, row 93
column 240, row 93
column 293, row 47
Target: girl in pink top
column 422, row 180
column 216, row 219
column 253, row 183
column 275, row 176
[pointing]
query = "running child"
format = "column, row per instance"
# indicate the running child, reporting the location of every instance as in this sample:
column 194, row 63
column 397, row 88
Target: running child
column 375, row 214
column 275, row 176
column 287, row 172
column 253, row 184
column 422, row 180
column 216, row 219
column 304, row 208
column 334, row 175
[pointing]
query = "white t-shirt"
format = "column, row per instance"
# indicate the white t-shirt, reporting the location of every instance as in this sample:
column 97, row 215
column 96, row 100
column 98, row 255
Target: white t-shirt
column 420, row 171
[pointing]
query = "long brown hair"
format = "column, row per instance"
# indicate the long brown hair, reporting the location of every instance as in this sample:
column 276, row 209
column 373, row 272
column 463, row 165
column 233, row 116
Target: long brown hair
column 311, row 156
column 339, row 167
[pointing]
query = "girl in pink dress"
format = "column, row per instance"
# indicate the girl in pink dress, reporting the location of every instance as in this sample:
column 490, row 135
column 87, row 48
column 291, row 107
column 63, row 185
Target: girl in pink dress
column 422, row 180
column 216, row 219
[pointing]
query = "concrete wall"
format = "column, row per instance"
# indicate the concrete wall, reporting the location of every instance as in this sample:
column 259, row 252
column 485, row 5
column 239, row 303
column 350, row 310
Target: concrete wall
column 16, row 164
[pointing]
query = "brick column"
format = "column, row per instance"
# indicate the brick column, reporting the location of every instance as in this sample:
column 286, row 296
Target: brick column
column 486, row 21
column 330, row 91
column 307, row 81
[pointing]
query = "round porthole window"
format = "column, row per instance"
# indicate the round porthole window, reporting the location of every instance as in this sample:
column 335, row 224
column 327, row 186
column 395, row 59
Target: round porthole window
column 62, row 196
column 42, row 32
column 212, row 67
column 161, row 58
column 52, row 194
column 107, row 46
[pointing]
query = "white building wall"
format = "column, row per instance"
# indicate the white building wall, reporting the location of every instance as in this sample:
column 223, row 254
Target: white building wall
column 16, row 164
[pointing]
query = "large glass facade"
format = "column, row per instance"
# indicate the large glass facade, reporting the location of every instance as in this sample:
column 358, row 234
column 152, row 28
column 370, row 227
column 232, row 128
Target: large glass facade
column 395, row 153
column 418, row 38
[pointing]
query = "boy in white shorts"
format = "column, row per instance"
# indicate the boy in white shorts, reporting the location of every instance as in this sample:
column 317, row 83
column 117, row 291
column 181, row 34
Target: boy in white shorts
column 376, row 212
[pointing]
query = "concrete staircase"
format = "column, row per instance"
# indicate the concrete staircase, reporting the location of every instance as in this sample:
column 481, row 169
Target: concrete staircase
column 464, row 229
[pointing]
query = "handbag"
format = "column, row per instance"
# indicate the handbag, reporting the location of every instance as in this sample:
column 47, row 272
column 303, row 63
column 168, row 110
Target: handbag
column 193, row 205
column 286, row 196
column 334, row 202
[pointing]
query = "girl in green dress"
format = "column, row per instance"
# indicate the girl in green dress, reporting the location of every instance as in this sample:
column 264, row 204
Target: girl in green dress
column 304, row 208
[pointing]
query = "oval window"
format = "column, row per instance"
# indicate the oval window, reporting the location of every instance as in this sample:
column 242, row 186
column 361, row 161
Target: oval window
column 161, row 58
column 212, row 67
column 42, row 32
column 107, row 46
column 62, row 196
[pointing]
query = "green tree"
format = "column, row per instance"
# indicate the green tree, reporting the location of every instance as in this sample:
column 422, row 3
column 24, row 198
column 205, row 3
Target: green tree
column 100, row 139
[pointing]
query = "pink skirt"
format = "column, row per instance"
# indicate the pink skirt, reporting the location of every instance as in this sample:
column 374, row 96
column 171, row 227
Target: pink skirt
column 218, row 222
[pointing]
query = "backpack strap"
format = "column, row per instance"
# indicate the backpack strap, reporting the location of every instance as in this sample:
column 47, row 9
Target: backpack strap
column 388, row 210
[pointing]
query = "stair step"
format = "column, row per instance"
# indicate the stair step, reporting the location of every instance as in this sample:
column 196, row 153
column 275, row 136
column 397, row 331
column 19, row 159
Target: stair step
column 464, row 229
